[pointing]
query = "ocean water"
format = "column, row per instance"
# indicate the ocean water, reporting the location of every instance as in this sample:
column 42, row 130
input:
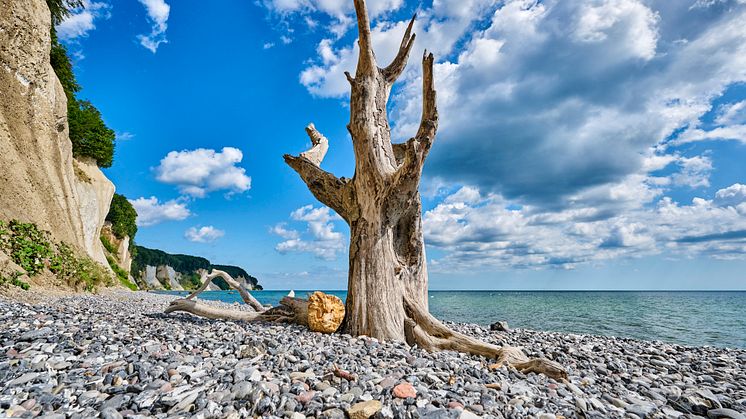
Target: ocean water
column 694, row 318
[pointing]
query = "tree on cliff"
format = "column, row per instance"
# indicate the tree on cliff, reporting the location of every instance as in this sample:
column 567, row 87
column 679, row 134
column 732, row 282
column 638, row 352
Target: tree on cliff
column 123, row 217
column 89, row 134
column 387, row 279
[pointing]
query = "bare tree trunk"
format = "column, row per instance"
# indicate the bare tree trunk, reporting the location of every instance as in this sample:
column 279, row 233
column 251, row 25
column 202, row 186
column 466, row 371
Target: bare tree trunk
column 387, row 283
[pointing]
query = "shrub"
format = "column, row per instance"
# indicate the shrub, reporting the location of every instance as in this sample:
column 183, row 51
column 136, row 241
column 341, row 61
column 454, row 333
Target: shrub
column 26, row 245
column 78, row 271
column 32, row 250
column 108, row 246
column 123, row 217
column 13, row 280
column 122, row 275
column 89, row 135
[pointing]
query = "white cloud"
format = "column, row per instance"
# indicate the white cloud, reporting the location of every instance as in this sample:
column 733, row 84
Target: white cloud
column 320, row 238
column 732, row 196
column 198, row 172
column 158, row 11
column 492, row 233
column 151, row 211
column 205, row 234
column 732, row 113
column 83, row 20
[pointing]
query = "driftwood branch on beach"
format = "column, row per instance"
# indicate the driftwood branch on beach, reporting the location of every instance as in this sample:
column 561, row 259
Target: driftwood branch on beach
column 320, row 312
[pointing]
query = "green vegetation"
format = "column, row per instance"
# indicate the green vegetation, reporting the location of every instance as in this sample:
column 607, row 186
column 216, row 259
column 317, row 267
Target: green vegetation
column 236, row 272
column 26, row 245
column 154, row 257
column 186, row 265
column 122, row 216
column 108, row 246
column 122, row 275
column 33, row 251
column 15, row 281
column 89, row 134
column 190, row 281
column 60, row 9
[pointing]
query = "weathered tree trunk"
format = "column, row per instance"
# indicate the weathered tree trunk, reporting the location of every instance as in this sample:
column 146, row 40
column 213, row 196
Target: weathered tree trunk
column 387, row 283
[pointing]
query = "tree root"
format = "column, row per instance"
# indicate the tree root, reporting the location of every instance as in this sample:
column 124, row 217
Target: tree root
column 429, row 333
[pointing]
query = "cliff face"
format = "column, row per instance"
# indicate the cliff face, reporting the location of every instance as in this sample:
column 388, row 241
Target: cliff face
column 156, row 269
column 40, row 181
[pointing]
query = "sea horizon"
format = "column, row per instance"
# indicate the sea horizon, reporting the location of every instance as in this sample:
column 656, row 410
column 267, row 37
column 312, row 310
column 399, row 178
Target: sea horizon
column 684, row 317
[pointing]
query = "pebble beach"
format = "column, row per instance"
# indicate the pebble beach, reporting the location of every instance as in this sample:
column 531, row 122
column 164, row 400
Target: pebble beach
column 116, row 355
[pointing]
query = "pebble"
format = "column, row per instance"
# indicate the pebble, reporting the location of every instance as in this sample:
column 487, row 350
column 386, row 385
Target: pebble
column 118, row 356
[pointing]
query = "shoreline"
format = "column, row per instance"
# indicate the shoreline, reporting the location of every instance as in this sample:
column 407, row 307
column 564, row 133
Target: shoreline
column 115, row 353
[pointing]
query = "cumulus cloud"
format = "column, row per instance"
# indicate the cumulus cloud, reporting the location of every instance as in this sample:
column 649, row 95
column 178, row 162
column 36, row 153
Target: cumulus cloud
column 83, row 20
column 204, row 234
column 567, row 122
column 540, row 101
column 319, row 238
column 198, row 172
column 151, row 211
column 492, row 232
column 337, row 12
column 158, row 11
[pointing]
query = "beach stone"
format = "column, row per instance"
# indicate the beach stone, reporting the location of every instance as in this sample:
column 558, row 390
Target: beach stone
column 306, row 396
column 404, row 390
column 724, row 413
column 110, row 413
column 364, row 410
column 500, row 326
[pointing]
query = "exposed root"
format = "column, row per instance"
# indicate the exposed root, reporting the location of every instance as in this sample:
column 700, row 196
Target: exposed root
column 429, row 333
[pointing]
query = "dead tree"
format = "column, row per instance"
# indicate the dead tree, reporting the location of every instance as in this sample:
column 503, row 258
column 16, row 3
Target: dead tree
column 387, row 280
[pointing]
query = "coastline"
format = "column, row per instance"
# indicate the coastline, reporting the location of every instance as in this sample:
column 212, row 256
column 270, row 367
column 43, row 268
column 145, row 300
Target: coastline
column 117, row 355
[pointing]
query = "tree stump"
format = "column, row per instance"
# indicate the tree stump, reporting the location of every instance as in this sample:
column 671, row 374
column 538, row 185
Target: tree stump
column 325, row 312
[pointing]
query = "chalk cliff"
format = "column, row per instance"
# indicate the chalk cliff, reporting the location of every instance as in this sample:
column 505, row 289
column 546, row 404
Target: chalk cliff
column 40, row 181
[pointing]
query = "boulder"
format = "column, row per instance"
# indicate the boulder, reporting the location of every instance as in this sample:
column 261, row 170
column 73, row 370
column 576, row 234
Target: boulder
column 501, row 326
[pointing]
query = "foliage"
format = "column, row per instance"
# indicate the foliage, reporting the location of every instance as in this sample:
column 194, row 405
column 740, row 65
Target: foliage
column 89, row 134
column 13, row 280
column 33, row 251
column 78, row 271
column 63, row 68
column 190, row 281
column 236, row 272
column 60, row 9
column 122, row 216
column 154, row 257
column 187, row 265
column 108, row 246
column 122, row 275
column 26, row 245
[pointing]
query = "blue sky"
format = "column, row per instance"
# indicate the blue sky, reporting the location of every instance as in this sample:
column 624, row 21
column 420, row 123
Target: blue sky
column 583, row 145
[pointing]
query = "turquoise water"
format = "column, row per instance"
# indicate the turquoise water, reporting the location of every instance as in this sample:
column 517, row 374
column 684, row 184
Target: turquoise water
column 715, row 318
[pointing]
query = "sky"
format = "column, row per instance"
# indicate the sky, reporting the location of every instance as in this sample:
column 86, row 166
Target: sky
column 589, row 144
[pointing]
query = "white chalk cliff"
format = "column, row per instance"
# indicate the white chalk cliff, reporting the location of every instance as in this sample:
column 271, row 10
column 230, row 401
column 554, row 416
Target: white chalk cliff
column 38, row 181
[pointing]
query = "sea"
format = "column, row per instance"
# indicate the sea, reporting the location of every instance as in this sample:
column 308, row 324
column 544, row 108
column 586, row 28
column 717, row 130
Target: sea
column 692, row 318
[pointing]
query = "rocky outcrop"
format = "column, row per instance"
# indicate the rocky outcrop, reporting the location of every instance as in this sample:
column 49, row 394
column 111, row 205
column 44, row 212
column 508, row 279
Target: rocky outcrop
column 39, row 182
column 121, row 247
